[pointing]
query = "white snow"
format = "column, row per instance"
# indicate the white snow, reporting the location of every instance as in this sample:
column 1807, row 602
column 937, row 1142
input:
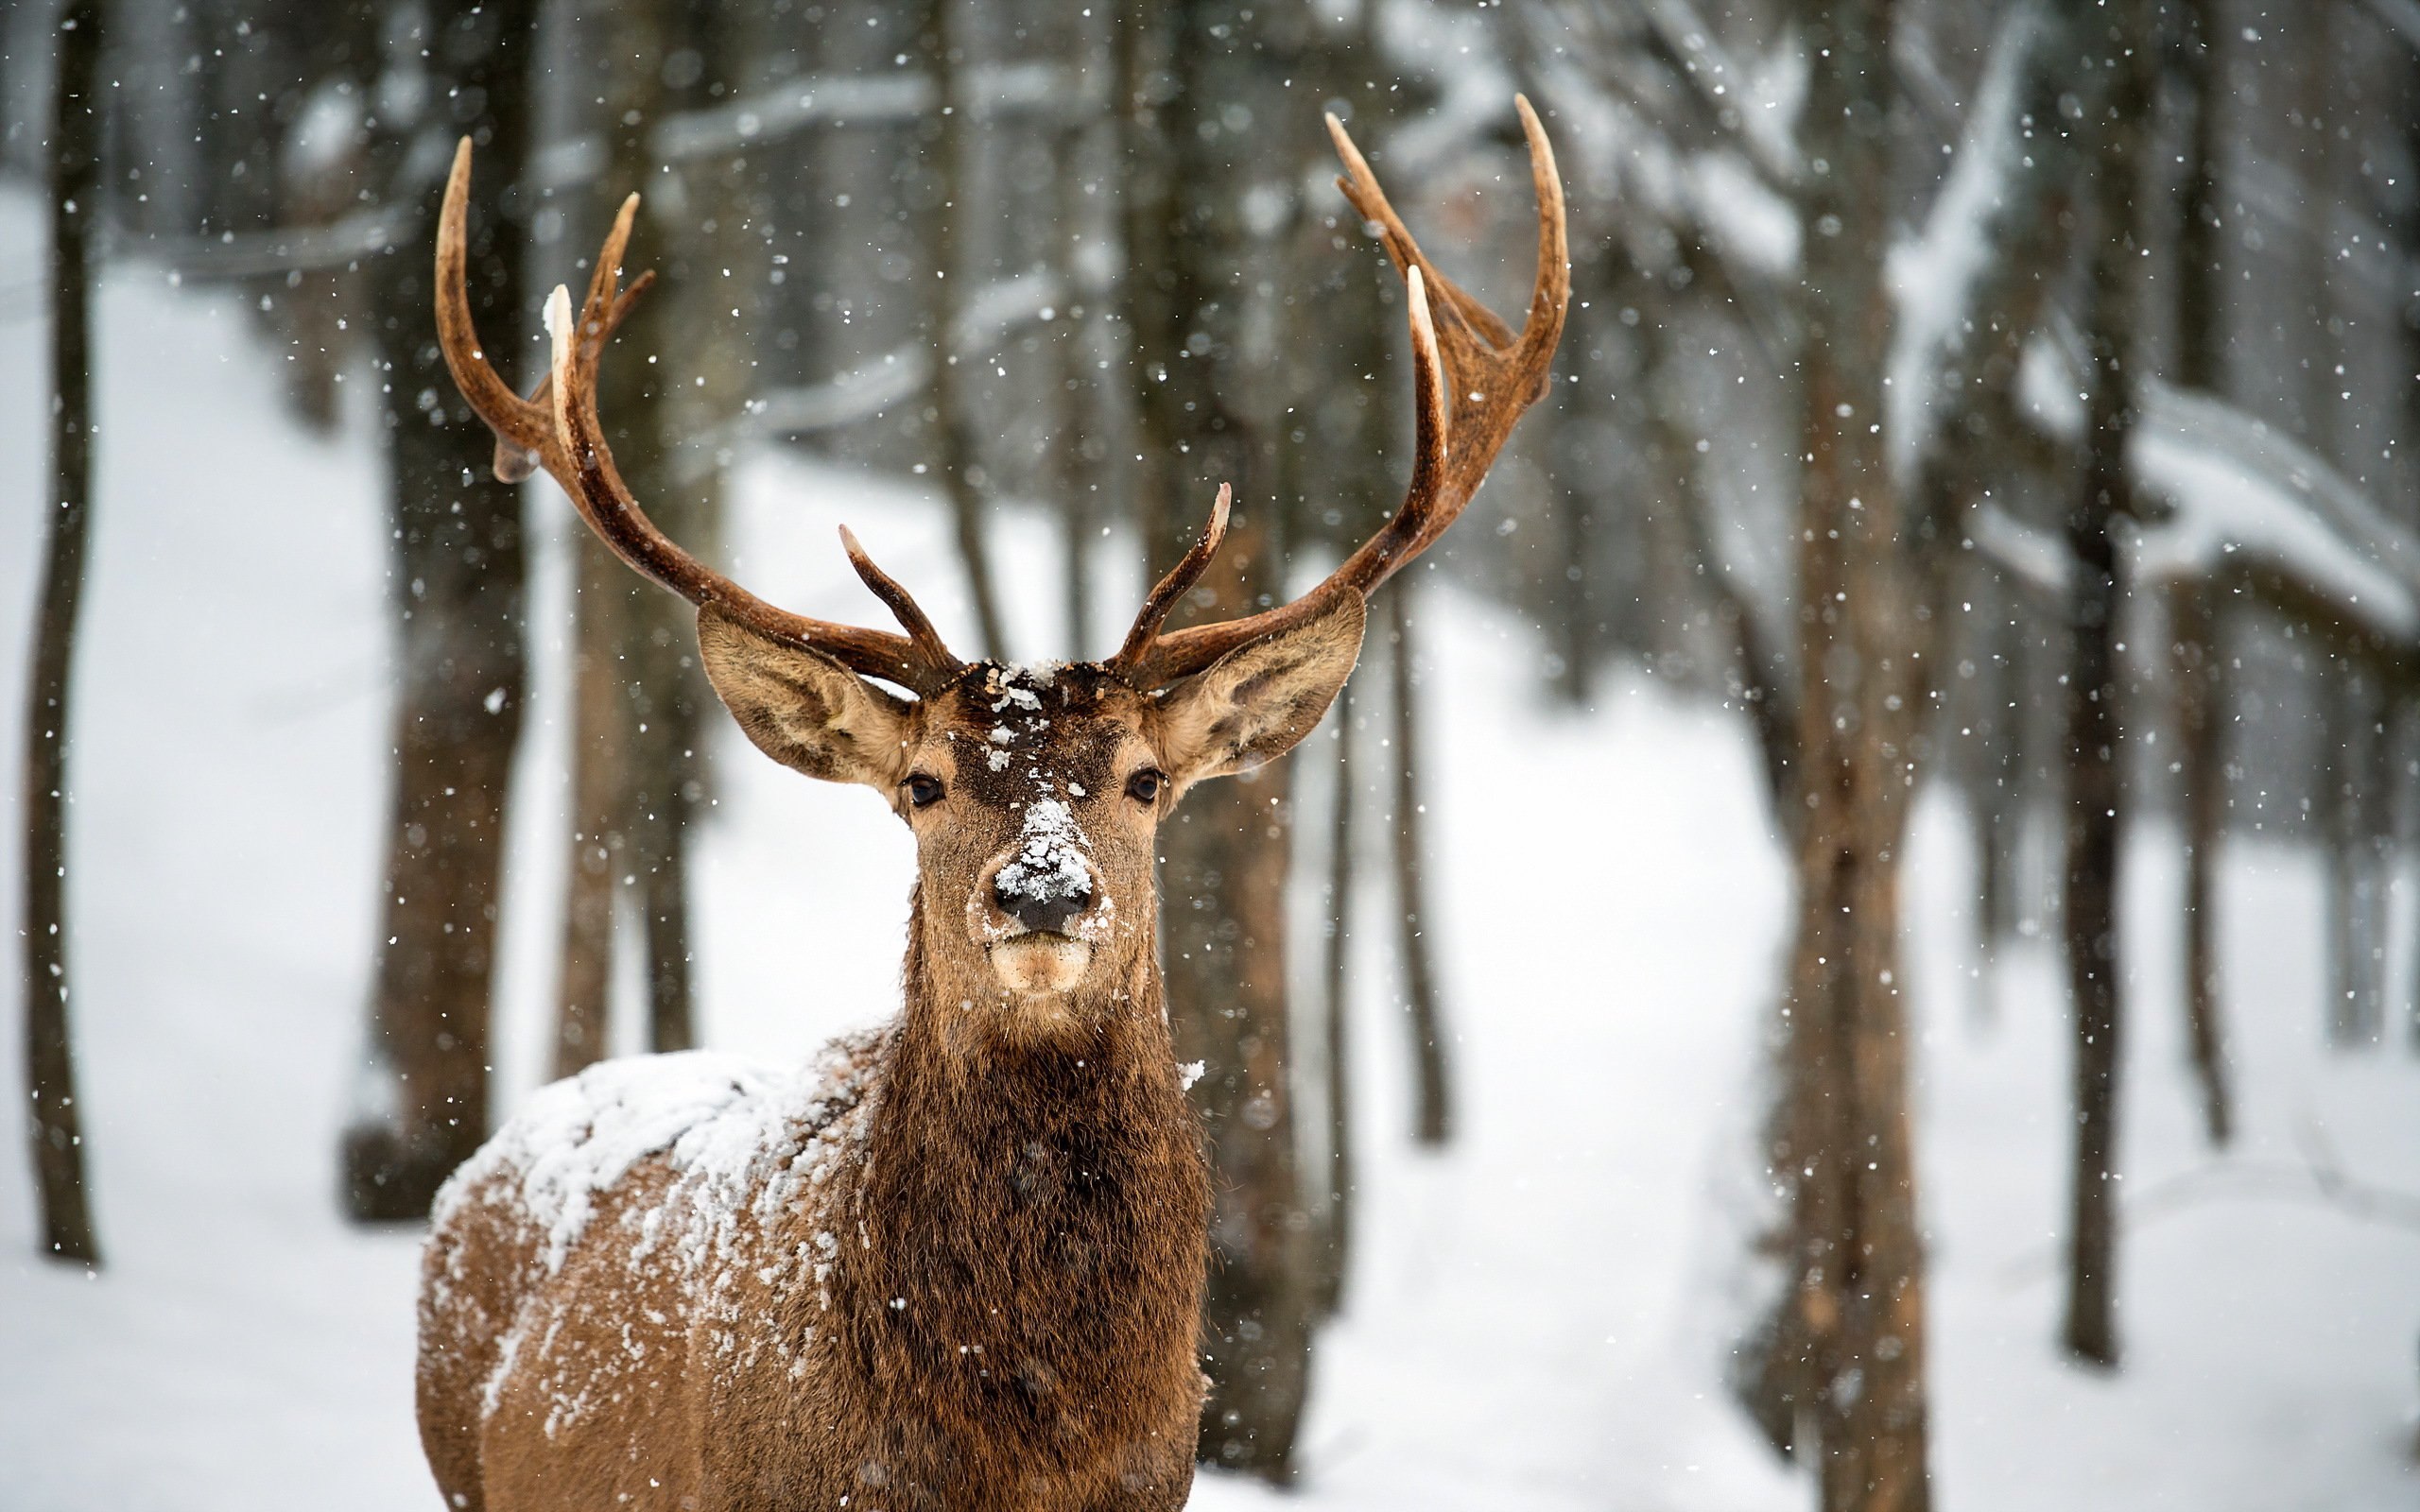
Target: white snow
column 1526, row 1319
column 1933, row 275
column 1050, row 858
column 2239, row 486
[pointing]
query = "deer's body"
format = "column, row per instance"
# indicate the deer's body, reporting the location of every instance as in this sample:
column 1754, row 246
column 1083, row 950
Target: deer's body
column 675, row 1282
column 957, row 1263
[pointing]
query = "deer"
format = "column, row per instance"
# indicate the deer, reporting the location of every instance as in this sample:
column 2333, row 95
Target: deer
column 957, row 1261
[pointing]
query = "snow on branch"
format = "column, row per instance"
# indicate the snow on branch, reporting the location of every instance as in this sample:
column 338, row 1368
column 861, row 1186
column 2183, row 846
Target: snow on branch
column 996, row 311
column 2032, row 556
column 1760, row 112
column 2237, row 493
column 992, row 89
column 1937, row 276
column 231, row 254
column 2242, row 491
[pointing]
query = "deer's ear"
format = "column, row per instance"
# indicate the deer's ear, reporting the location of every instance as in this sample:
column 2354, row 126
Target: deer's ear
column 1253, row 704
column 803, row 708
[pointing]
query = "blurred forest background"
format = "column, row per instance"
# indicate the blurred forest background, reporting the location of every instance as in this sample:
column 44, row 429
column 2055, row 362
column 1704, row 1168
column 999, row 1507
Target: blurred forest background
column 2014, row 400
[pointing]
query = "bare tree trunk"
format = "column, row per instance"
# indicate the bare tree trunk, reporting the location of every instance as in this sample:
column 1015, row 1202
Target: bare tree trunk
column 2200, row 683
column 1187, row 67
column 1334, row 979
column 459, row 589
column 584, row 982
column 1995, row 819
column 1433, row 1116
column 1845, row 1363
column 713, row 271
column 2200, row 698
column 56, row 1123
column 1079, row 456
column 638, row 691
column 2355, row 913
column 961, row 466
column 2095, row 787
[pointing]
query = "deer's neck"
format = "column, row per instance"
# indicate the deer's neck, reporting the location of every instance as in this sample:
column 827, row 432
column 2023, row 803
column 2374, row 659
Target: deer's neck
column 1034, row 1211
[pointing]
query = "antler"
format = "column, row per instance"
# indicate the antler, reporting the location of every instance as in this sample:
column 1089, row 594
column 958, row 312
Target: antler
column 1472, row 378
column 557, row 428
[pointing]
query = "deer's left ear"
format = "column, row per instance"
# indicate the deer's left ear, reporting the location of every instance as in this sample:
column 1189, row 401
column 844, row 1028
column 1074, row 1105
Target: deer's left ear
column 1253, row 704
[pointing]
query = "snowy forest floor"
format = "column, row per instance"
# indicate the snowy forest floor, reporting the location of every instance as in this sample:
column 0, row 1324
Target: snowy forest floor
column 1535, row 1319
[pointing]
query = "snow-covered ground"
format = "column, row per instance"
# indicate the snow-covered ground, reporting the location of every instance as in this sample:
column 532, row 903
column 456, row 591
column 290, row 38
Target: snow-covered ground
column 1533, row 1320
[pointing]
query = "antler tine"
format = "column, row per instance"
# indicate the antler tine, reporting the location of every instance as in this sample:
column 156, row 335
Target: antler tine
column 517, row 421
column 903, row 604
column 604, row 501
column 1472, row 380
column 512, row 464
column 557, row 428
column 524, row 428
column 1178, row 582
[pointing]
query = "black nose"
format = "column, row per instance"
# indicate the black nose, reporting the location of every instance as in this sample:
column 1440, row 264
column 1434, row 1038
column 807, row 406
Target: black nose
column 1043, row 903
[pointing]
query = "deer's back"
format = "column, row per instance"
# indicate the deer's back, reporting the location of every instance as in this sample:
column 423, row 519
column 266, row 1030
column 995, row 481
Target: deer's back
column 610, row 1254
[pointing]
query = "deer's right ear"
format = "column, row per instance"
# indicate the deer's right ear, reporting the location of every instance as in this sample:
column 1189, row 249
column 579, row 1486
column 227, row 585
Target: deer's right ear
column 802, row 708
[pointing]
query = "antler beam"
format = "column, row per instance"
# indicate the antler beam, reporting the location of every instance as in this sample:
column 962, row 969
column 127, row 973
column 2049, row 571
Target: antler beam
column 1472, row 380
column 557, row 428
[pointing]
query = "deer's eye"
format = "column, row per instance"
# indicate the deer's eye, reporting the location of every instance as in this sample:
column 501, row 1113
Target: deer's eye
column 923, row 789
column 1145, row 785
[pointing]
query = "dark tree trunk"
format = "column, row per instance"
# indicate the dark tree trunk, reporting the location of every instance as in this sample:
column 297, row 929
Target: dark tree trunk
column 1186, row 68
column 459, row 585
column 2355, row 768
column 1337, row 1011
column 954, row 389
column 2093, row 754
column 2200, row 698
column 1845, row 1363
column 2201, row 681
column 2200, row 309
column 1433, row 1115
column 1996, row 814
column 56, row 1122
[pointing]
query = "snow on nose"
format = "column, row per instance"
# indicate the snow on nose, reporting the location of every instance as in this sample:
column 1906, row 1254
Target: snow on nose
column 1046, row 883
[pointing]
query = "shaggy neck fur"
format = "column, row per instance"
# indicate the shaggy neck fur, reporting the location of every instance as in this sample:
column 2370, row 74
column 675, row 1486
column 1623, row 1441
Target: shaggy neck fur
column 1033, row 1206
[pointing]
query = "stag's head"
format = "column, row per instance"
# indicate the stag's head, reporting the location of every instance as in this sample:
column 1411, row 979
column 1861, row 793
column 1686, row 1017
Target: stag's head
column 1036, row 793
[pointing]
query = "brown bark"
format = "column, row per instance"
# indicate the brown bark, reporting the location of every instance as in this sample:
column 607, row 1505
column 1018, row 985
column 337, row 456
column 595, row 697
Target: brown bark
column 1433, row 1112
column 1846, row 1359
column 56, row 1121
column 583, row 984
column 459, row 582
column 2093, row 786
column 2201, row 701
column 1223, row 881
column 1185, row 66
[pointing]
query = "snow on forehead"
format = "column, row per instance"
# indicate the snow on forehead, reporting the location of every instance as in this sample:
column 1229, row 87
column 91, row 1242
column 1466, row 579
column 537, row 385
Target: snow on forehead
column 1021, row 685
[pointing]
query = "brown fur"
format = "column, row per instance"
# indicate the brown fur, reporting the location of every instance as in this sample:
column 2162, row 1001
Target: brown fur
column 961, row 1265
